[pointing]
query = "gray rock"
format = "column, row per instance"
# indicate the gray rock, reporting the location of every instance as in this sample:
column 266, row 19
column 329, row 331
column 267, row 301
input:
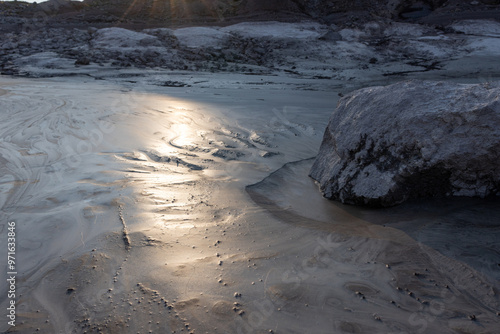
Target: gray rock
column 385, row 145
column 92, row 30
column 331, row 36
column 82, row 61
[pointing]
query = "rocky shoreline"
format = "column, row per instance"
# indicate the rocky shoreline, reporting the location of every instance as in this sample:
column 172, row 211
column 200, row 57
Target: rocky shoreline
column 127, row 145
column 248, row 38
column 377, row 49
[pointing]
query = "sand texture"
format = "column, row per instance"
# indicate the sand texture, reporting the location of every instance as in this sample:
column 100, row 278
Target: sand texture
column 133, row 215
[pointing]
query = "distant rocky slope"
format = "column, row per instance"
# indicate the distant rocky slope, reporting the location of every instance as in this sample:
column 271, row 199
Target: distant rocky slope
column 317, row 38
column 375, row 50
column 385, row 145
column 149, row 13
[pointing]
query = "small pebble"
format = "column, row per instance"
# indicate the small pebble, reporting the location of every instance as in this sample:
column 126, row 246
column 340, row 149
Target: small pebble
column 472, row 317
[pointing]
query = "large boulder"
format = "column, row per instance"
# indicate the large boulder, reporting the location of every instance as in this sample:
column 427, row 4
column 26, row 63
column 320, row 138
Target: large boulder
column 385, row 145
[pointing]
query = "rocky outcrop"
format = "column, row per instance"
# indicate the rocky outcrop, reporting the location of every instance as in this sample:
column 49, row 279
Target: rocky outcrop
column 140, row 14
column 385, row 145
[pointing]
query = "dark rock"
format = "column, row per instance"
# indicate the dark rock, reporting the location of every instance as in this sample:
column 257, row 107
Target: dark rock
column 331, row 36
column 82, row 61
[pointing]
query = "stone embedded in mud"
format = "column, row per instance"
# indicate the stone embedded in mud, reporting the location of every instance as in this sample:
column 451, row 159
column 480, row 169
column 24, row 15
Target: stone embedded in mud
column 414, row 139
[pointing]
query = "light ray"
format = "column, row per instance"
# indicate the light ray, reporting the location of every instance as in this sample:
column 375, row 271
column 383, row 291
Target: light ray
column 134, row 2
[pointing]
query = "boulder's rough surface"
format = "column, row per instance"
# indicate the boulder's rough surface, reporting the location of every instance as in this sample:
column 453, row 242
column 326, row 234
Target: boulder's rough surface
column 385, row 145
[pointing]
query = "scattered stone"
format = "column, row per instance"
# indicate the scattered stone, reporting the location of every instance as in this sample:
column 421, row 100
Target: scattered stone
column 331, row 36
column 82, row 61
column 174, row 84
